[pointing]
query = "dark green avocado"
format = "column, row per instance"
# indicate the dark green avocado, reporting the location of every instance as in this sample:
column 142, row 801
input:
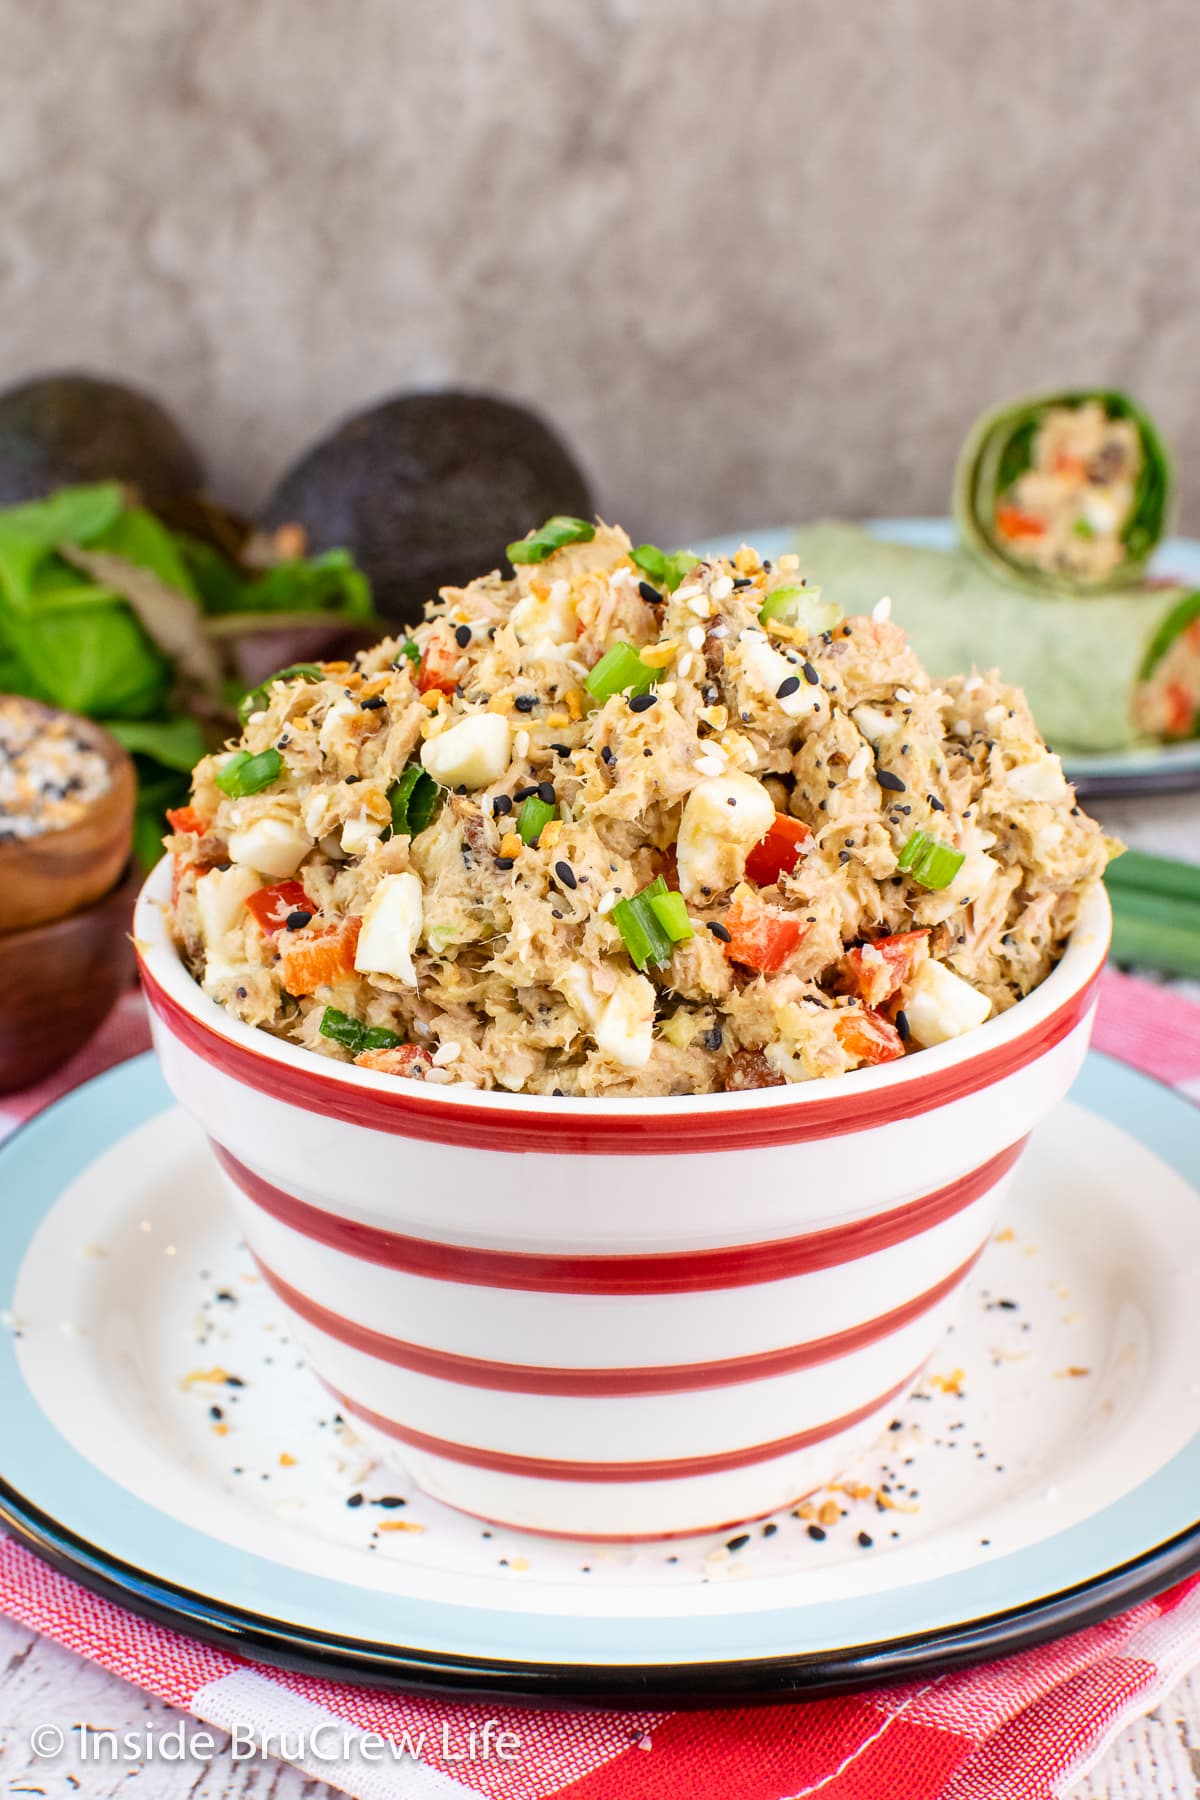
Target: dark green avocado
column 65, row 430
column 427, row 489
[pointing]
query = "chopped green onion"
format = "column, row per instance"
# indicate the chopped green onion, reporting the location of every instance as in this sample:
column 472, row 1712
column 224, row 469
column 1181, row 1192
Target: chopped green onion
column 244, row 774
column 257, row 699
column 1083, row 528
column 415, row 800
column 620, row 671
column 929, row 861
column 548, row 538
column 670, row 909
column 410, row 649
column 652, row 923
column 795, row 604
column 665, row 571
column 535, row 815
column 353, row 1035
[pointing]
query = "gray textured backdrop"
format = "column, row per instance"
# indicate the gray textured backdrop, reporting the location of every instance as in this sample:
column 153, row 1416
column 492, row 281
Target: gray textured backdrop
column 756, row 259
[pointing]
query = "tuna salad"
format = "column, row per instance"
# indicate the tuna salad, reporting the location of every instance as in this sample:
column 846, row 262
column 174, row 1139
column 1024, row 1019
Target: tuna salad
column 628, row 824
column 1069, row 509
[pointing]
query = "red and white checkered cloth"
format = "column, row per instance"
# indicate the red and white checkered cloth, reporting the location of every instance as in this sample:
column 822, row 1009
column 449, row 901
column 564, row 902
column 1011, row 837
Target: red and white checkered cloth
column 1025, row 1728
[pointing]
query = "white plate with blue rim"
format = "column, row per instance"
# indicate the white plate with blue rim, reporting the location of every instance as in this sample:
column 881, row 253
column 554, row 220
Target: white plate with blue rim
column 163, row 1443
column 1151, row 769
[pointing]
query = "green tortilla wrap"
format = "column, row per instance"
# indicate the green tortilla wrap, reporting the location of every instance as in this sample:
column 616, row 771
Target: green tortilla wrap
column 1088, row 666
column 1092, row 526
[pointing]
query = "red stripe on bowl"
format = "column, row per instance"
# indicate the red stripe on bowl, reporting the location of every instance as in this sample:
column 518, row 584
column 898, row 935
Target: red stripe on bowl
column 803, row 1115
column 507, row 1462
column 524, row 1378
column 659, row 1272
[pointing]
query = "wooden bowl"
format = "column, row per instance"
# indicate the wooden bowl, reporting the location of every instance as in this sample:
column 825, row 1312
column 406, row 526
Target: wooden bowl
column 58, row 872
column 59, row 981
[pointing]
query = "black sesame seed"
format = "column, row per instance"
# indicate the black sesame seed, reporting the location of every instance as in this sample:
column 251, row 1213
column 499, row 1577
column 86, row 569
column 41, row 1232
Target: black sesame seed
column 641, row 703
column 810, row 675
column 389, row 1502
column 770, row 1528
column 296, row 921
column 352, row 779
column 606, row 755
column 565, row 873
column 561, row 749
column 214, row 1412
column 373, row 704
column 502, row 804
column 902, row 1025
column 886, row 779
column 789, row 686
column 743, row 581
column 843, row 856
column 649, row 594
column 234, row 1381
column 556, row 1093
column 354, row 1500
column 718, row 931
column 504, row 862
column 713, row 1038
column 525, row 702
column 815, row 1532
column 525, row 793
column 462, row 636
column 739, row 1542
column 865, row 1539
column 546, row 793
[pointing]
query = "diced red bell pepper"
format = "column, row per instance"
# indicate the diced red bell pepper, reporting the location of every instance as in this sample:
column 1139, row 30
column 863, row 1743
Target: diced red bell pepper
column 876, row 971
column 1011, row 522
column 761, row 937
column 1181, row 710
column 186, row 818
column 778, row 853
column 438, row 666
column 867, row 1035
column 309, row 960
column 271, row 907
column 406, row 1060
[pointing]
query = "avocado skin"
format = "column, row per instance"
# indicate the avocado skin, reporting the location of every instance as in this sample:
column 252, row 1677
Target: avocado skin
column 63, row 429
column 427, row 489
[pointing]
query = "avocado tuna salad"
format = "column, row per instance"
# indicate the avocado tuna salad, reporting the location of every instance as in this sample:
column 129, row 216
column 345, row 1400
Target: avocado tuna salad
column 627, row 824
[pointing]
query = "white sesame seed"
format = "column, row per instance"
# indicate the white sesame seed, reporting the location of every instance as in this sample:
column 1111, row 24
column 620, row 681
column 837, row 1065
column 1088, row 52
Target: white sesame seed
column 722, row 587
column 700, row 606
column 607, row 902
column 447, row 1054
column 688, row 591
column 438, row 1076
column 859, row 762
column 904, row 695
column 686, row 665
column 881, row 612
column 720, row 631
column 666, row 690
column 973, row 684
column 521, row 743
column 708, row 765
column 695, row 637
column 962, row 728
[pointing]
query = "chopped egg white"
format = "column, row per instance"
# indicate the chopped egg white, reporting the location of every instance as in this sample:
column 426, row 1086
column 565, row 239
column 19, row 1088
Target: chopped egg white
column 272, row 846
column 472, row 754
column 220, row 898
column 625, row 1028
column 545, row 623
column 940, row 1005
column 723, row 818
column 391, row 929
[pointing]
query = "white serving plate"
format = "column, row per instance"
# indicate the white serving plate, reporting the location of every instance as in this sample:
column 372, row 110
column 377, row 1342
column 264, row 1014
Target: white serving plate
column 1009, row 1501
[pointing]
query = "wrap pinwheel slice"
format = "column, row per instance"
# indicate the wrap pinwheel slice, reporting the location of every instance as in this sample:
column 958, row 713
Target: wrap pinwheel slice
column 1066, row 493
column 1104, row 672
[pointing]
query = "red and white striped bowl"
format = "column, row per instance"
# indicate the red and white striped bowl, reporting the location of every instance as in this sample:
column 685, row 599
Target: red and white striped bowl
column 618, row 1318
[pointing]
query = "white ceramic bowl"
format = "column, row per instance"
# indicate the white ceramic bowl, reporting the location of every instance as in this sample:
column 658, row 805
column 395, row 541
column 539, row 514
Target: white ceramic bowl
column 618, row 1318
